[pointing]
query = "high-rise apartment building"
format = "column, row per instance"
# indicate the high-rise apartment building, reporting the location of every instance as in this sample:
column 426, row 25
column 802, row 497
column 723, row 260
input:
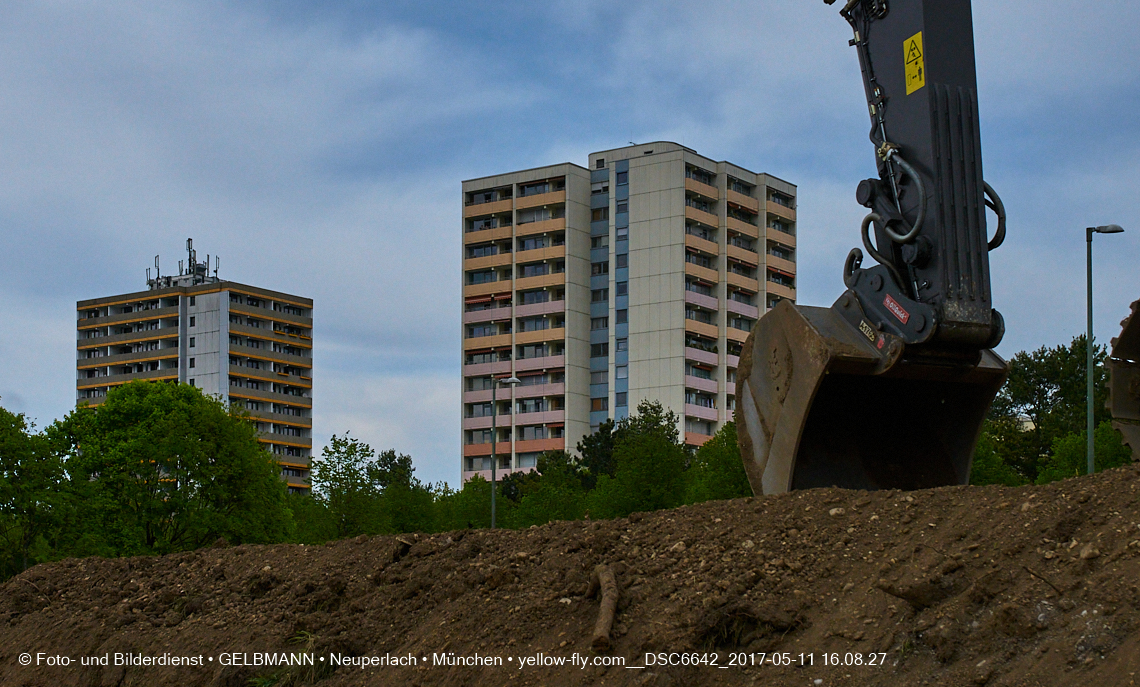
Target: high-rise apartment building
column 245, row 345
column 637, row 278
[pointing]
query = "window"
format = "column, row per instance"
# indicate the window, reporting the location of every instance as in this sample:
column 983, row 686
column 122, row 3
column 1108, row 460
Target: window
column 481, row 277
column 601, row 377
column 533, row 243
column 478, row 383
column 600, row 164
column 192, row 303
column 599, row 323
column 599, row 350
column 599, row 214
column 533, row 324
column 527, row 460
column 191, row 342
column 600, row 242
column 532, row 405
column 191, row 321
column 597, row 268
column 597, row 404
column 481, row 330
column 621, row 316
column 191, row 381
column 622, row 233
column 599, row 295
column 623, row 260
column 621, row 372
column 622, row 207
column 531, row 433
column 621, row 345
column 621, row 399
column 530, row 297
column 622, row 178
column 535, row 269
column 192, row 362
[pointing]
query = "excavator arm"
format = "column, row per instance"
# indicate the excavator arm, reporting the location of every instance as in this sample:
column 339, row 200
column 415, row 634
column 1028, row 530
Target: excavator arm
column 889, row 386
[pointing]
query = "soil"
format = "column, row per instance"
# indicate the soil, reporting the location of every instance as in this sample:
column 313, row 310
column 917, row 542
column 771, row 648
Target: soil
column 951, row 586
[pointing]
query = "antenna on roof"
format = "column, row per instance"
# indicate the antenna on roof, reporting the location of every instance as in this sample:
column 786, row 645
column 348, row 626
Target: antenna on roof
column 157, row 272
column 217, row 262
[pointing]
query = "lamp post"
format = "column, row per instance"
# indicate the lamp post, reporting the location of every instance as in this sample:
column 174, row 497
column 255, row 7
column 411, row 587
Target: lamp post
column 494, row 434
column 1107, row 229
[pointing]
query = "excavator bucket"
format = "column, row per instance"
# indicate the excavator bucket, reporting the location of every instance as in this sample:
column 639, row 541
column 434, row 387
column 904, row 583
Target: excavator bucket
column 825, row 399
column 1124, row 381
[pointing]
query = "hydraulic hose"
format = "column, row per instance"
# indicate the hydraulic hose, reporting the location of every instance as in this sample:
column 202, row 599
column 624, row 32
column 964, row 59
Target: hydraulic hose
column 879, row 258
column 994, row 203
column 914, row 175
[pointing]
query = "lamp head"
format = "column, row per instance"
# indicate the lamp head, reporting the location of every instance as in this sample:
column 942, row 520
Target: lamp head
column 512, row 381
column 1109, row 229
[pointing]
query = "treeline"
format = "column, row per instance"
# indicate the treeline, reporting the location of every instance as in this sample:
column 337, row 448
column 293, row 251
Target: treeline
column 1036, row 430
column 160, row 467
column 637, row 464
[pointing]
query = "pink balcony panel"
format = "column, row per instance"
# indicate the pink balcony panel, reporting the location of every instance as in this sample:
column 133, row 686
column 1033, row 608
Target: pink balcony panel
column 547, row 308
column 484, row 369
column 492, row 315
column 702, row 300
column 700, row 412
column 540, row 390
column 540, row 418
column 550, row 362
column 485, row 422
column 743, row 309
column 486, row 474
column 733, row 361
column 699, row 356
column 481, row 396
column 701, row 384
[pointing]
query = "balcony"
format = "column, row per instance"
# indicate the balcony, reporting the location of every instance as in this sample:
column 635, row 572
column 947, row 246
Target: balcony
column 694, row 439
column 537, row 390
column 547, row 253
column 701, row 216
column 698, row 356
column 539, row 445
column 136, row 357
column 703, row 273
column 547, row 308
column 702, row 189
column 488, row 315
column 487, row 261
column 549, row 362
column 273, row 396
column 780, row 290
column 539, row 282
column 748, row 257
column 700, row 412
column 123, row 318
column 485, row 235
column 487, row 288
column 271, row 315
column 540, row 335
column 493, row 341
column 734, row 334
column 747, row 202
column 269, row 334
column 130, row 337
column 740, row 226
column 707, row 330
column 540, row 199
column 483, row 369
column 270, row 376
column 703, row 245
column 541, row 226
column 540, row 418
column 115, row 380
column 710, row 302
column 701, row 384
column 492, row 208
column 742, row 309
column 781, row 211
column 781, row 264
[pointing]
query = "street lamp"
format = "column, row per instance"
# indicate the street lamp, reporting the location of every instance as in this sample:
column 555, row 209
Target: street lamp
column 1107, row 229
column 494, row 434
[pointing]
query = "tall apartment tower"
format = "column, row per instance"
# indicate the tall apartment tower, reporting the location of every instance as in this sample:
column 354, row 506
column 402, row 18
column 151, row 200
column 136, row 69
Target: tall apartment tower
column 248, row 346
column 637, row 278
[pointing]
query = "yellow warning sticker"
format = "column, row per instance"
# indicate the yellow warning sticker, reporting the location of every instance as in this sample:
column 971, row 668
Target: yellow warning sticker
column 915, row 64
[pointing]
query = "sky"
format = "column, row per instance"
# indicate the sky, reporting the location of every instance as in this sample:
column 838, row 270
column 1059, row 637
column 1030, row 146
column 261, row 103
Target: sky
column 318, row 149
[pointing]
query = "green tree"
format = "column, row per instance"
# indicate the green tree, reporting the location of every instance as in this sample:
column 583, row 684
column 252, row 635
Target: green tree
column 555, row 492
column 470, row 507
column 32, row 493
column 161, row 467
column 1069, row 457
column 597, row 451
column 989, row 468
column 717, row 471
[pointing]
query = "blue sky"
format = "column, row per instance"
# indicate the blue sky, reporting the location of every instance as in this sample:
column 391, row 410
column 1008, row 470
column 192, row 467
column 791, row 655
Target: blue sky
column 318, row 148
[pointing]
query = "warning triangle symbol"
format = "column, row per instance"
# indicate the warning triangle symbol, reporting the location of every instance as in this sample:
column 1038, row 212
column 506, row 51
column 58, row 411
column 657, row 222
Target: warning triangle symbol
column 913, row 54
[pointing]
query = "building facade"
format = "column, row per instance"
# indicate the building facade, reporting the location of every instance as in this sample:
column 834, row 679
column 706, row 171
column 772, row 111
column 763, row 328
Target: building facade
column 637, row 278
column 248, row 346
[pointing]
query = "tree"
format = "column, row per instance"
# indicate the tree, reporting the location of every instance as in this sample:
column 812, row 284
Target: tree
column 1070, row 454
column 717, row 472
column 989, row 468
column 31, row 487
column 556, row 492
column 597, row 451
column 161, row 467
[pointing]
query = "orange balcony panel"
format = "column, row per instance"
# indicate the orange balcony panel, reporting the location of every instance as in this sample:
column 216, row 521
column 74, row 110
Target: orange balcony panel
column 540, row 199
column 740, row 226
column 701, row 216
column 539, row 445
column 484, row 235
column 490, row 288
column 780, row 237
column 526, row 283
column 548, row 253
column 702, row 189
column 702, row 245
column 743, row 282
column 541, row 335
column 702, row 273
column 694, row 439
column 708, row 330
column 781, row 211
column 542, row 227
column 743, row 255
column 781, row 264
column 485, row 449
column 487, row 208
column 780, row 290
column 747, row 202
column 487, row 341
column 734, row 334
column 488, row 261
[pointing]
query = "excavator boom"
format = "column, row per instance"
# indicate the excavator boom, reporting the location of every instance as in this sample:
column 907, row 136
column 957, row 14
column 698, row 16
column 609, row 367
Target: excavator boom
column 889, row 386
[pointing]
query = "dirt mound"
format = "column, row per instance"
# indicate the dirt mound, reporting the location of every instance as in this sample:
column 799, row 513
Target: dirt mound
column 953, row 586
